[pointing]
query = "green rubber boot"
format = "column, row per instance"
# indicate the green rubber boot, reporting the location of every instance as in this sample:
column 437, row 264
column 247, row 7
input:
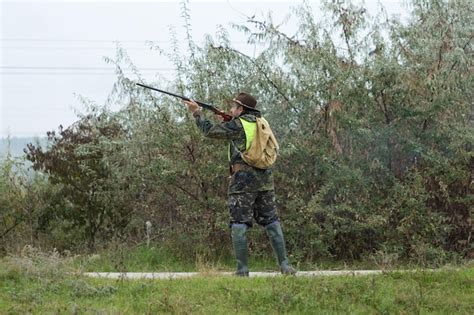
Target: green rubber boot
column 239, row 240
column 275, row 234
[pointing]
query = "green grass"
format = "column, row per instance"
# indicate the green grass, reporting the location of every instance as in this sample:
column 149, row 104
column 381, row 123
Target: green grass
column 139, row 258
column 44, row 283
column 40, row 285
column 152, row 259
column 447, row 292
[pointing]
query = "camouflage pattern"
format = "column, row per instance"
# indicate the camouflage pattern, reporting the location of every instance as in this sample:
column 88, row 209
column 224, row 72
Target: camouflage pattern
column 249, row 179
column 245, row 207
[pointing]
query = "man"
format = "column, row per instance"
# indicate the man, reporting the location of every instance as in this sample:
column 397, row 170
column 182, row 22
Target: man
column 251, row 192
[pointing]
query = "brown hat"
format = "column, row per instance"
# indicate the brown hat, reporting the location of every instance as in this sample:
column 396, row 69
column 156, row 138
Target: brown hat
column 246, row 100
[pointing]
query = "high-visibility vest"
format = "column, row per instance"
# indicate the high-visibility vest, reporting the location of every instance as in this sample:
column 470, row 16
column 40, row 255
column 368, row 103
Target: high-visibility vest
column 250, row 127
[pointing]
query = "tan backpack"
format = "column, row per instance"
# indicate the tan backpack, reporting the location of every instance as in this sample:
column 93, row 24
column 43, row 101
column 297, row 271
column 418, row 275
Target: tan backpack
column 263, row 149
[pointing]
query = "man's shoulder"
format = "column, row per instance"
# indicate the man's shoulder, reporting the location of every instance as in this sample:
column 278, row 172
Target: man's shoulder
column 233, row 124
column 249, row 117
column 234, row 121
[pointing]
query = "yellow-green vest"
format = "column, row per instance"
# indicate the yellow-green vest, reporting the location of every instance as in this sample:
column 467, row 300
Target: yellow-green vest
column 250, row 127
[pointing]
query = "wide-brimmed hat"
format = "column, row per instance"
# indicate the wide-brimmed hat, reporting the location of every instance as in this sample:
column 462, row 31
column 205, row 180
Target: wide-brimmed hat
column 246, row 100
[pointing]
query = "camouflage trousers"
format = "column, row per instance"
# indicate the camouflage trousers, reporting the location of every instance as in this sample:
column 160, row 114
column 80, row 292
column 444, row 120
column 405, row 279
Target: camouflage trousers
column 244, row 207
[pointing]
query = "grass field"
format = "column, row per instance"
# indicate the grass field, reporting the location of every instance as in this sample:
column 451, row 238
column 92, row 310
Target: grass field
column 42, row 284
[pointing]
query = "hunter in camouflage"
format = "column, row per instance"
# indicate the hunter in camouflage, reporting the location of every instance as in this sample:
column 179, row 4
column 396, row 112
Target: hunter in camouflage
column 251, row 190
column 249, row 179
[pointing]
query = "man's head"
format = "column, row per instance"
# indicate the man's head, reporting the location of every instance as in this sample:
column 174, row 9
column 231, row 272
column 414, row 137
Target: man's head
column 241, row 103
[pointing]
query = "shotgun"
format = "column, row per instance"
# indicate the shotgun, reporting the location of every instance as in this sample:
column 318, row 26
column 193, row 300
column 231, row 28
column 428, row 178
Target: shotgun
column 215, row 110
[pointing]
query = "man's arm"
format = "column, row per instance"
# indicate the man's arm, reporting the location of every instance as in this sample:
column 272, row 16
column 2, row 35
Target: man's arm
column 227, row 130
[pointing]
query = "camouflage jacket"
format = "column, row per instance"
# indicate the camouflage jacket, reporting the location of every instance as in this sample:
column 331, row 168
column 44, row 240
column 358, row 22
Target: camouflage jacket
column 249, row 179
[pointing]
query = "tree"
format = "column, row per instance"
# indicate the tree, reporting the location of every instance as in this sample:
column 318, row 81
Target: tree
column 76, row 163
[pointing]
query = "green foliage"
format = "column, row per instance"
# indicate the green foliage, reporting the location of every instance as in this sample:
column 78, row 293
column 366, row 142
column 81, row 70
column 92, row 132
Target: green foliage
column 374, row 119
column 11, row 201
column 87, row 196
column 23, row 201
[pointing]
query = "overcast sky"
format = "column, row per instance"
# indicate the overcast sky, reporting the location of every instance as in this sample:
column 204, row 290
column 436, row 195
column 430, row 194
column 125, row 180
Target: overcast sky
column 52, row 51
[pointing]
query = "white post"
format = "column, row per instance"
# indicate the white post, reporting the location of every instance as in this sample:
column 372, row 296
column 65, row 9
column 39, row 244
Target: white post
column 148, row 232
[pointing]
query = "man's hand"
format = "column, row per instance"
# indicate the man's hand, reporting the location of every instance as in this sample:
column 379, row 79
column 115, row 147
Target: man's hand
column 192, row 106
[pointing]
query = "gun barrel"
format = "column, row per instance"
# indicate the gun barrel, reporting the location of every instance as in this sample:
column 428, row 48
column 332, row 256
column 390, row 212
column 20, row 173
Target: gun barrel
column 217, row 111
column 176, row 95
column 162, row 91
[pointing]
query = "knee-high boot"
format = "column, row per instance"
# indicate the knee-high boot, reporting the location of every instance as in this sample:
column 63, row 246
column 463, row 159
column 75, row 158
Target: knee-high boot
column 239, row 240
column 275, row 234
